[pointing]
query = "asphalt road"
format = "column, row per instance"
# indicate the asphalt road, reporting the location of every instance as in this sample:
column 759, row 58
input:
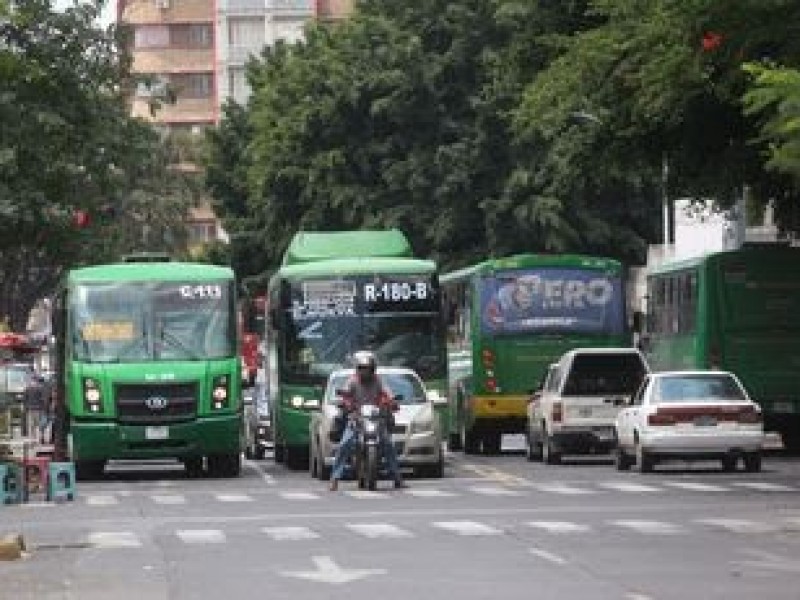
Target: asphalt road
column 493, row 527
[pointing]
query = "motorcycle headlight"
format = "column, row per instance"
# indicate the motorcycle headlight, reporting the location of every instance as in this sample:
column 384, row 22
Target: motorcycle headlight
column 370, row 427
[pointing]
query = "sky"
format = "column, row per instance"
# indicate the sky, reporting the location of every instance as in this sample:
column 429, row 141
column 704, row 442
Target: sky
column 109, row 12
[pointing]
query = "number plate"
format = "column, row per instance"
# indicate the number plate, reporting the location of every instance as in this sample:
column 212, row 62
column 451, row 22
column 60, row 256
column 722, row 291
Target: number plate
column 156, row 433
column 783, row 407
column 705, row 421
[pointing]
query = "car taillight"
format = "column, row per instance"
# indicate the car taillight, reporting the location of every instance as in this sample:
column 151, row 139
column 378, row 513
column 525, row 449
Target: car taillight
column 659, row 419
column 750, row 415
column 558, row 412
column 488, row 358
column 491, row 384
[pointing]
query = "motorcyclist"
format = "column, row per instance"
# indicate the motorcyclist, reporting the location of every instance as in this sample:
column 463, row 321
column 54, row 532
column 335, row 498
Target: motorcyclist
column 364, row 388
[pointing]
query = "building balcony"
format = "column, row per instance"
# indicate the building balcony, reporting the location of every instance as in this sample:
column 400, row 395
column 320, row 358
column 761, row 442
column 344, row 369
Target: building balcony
column 173, row 60
column 239, row 55
column 334, row 9
column 186, row 110
column 148, row 12
column 304, row 8
column 242, row 7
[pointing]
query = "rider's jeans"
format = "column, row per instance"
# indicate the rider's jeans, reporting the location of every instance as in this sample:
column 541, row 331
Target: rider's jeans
column 348, row 444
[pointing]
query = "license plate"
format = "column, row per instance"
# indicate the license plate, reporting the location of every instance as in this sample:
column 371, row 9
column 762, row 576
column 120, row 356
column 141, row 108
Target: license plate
column 783, row 407
column 156, row 433
column 705, row 421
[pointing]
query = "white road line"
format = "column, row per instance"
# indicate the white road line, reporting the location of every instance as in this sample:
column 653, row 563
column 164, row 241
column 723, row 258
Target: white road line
column 366, row 495
column 201, row 536
column 467, row 528
column 114, row 539
column 266, row 477
column 430, row 493
column 629, row 487
column 379, row 530
column 548, row 556
column 695, row 486
column 559, row 526
column 290, row 533
column 764, row 486
column 233, row 498
column 487, row 490
column 38, row 504
column 738, row 525
column 101, row 500
column 299, row 496
column 562, row 488
column 168, row 499
column 649, row 527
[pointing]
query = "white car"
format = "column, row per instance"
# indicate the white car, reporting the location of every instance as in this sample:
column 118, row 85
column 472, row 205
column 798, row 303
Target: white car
column 690, row 415
column 416, row 435
column 574, row 411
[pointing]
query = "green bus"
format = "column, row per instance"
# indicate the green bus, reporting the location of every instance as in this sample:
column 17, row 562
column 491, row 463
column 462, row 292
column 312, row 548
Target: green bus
column 147, row 366
column 337, row 293
column 508, row 319
column 739, row 311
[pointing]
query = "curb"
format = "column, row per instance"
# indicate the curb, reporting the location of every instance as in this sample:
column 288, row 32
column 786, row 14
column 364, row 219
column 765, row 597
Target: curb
column 11, row 547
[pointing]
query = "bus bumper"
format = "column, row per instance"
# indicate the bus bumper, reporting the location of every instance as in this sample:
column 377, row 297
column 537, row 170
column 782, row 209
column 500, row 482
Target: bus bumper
column 502, row 413
column 201, row 437
column 292, row 427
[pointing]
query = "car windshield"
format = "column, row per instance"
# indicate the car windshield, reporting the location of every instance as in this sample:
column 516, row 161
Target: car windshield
column 604, row 374
column 699, row 388
column 404, row 386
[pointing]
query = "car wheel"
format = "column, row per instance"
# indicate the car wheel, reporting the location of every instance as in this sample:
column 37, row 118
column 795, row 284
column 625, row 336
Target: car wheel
column 279, row 453
column 644, row 460
column 492, row 441
column 729, row 464
column 313, row 465
column 533, row 451
column 87, row 470
column 224, row 465
column 550, row 454
column 470, row 441
column 752, row 462
column 454, row 442
column 260, row 453
column 194, row 467
column 622, row 460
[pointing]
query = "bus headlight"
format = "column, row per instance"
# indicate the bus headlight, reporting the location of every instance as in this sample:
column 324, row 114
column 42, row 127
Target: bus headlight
column 297, row 401
column 220, row 395
column 92, row 397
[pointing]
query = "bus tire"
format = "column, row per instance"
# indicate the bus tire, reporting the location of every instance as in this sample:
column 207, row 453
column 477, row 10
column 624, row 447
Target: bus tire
column 296, row 458
column 193, row 466
column 224, row 465
column 87, row 470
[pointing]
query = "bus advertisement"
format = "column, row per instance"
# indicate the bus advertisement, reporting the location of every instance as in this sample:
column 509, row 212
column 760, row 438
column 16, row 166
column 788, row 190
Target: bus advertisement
column 147, row 366
column 739, row 311
column 324, row 310
column 508, row 319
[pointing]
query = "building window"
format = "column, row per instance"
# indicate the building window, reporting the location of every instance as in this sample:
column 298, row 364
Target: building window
column 151, row 36
column 154, row 85
column 193, row 85
column 191, row 36
column 238, row 88
column 246, row 33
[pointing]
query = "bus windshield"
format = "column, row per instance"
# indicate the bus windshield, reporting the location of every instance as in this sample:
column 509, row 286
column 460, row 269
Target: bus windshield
column 152, row 321
column 552, row 300
column 329, row 320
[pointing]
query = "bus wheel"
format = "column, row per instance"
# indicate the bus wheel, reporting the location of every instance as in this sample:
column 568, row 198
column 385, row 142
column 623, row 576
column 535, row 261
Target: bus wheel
column 86, row 470
column 224, row 465
column 193, row 466
column 296, row 458
column 492, row 441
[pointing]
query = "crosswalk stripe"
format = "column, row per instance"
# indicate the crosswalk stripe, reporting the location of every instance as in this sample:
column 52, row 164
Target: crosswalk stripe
column 486, row 490
column 201, row 536
column 168, row 499
column 559, row 526
column 467, row 528
column 101, row 500
column 290, row 533
column 764, row 486
column 300, row 496
column 649, row 527
column 629, row 487
column 114, row 539
column 430, row 493
column 562, row 488
column 233, row 498
column 365, row 494
column 695, row 486
column 379, row 530
column 738, row 525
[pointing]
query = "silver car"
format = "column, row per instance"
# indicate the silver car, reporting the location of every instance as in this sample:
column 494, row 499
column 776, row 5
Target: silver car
column 417, row 433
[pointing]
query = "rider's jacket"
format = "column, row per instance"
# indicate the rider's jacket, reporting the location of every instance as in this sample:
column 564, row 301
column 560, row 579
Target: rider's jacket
column 357, row 393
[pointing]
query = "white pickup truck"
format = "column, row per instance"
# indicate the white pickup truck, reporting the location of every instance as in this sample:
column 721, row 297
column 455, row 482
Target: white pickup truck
column 574, row 410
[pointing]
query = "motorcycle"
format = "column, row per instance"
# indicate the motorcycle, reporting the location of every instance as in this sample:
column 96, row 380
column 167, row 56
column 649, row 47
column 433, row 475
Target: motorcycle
column 370, row 429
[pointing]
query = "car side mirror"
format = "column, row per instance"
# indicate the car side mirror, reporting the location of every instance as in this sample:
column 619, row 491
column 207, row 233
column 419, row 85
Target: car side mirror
column 436, row 398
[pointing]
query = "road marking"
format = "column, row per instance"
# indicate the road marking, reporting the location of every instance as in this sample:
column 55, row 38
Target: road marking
column 494, row 474
column 469, row 528
column 201, row 536
column 494, row 491
column 548, row 556
column 101, row 500
column 365, row 494
column 430, row 493
column 299, row 496
column 282, row 534
column 38, row 504
column 769, row 562
column 637, row 596
column 629, row 487
column 562, row 488
column 649, row 527
column 233, row 498
column 168, row 499
column 328, row 571
column 738, row 525
column 379, row 530
column 694, row 486
column 559, row 526
column 266, row 477
column 114, row 539
column 763, row 486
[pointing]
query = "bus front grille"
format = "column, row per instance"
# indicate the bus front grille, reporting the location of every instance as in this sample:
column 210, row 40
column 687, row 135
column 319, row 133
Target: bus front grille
column 155, row 403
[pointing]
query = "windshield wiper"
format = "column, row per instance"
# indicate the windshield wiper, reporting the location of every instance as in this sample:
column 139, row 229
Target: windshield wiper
column 176, row 342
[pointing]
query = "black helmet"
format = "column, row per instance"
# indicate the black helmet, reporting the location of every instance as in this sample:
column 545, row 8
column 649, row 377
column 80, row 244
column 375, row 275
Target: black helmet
column 365, row 363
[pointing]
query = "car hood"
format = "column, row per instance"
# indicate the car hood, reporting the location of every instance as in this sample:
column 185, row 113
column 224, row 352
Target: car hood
column 409, row 412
